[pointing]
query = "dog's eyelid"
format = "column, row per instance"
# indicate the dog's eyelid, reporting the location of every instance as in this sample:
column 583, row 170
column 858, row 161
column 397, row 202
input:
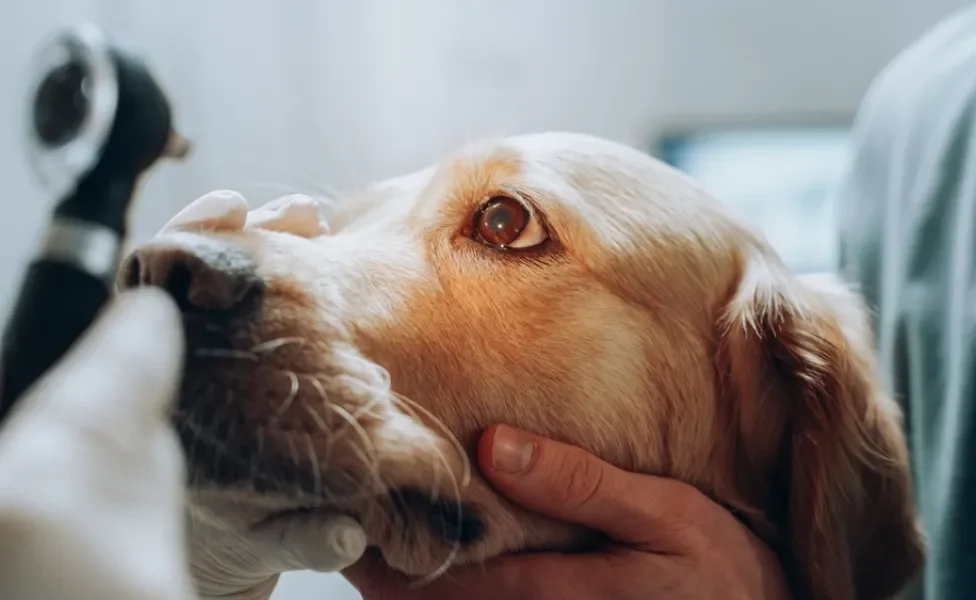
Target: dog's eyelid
column 514, row 194
column 532, row 204
column 524, row 198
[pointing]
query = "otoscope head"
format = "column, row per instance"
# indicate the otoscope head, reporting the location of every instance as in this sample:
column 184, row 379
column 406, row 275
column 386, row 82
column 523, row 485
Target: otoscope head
column 96, row 114
column 97, row 121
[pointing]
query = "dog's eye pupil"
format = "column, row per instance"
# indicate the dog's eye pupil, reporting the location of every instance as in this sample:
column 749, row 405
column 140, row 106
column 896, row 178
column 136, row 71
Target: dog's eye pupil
column 501, row 221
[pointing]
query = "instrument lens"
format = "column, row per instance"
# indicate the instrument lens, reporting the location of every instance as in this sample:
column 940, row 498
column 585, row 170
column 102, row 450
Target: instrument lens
column 62, row 103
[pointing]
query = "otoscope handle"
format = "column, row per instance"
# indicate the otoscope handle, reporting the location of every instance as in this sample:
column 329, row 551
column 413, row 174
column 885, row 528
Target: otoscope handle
column 66, row 286
column 57, row 304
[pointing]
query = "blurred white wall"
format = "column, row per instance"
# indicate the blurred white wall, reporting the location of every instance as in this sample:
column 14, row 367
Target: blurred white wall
column 301, row 95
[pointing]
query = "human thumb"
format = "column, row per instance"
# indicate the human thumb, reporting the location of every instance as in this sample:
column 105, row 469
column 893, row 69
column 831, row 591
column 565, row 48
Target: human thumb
column 569, row 484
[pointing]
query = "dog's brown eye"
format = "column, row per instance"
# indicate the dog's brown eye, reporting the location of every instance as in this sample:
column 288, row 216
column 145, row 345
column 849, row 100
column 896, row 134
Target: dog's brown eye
column 505, row 222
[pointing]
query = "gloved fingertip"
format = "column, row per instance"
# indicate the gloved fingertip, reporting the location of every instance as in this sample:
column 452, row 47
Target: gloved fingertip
column 313, row 542
column 348, row 541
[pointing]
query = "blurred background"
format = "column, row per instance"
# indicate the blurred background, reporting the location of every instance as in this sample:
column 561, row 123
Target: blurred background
column 753, row 97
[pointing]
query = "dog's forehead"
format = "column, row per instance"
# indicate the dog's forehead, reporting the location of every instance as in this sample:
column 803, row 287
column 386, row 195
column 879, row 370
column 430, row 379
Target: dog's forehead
column 477, row 166
column 504, row 160
column 586, row 186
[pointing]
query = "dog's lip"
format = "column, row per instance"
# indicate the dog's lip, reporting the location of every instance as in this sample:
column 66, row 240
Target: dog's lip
column 286, row 514
column 299, row 513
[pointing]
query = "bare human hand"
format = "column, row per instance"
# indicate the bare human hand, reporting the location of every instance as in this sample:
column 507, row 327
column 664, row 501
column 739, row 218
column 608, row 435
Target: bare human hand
column 670, row 540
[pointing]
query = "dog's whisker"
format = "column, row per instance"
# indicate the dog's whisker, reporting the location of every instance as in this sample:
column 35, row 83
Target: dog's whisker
column 458, row 511
column 225, row 353
column 292, row 394
column 411, row 413
column 316, row 467
column 356, row 427
column 290, row 172
column 446, row 432
column 191, row 451
column 325, row 401
column 412, row 408
column 441, row 570
column 202, row 435
column 371, row 467
column 317, row 419
column 369, row 458
column 367, row 409
column 306, row 190
column 317, row 487
column 405, row 407
column 319, row 388
column 259, row 442
column 272, row 345
column 293, row 452
column 311, row 182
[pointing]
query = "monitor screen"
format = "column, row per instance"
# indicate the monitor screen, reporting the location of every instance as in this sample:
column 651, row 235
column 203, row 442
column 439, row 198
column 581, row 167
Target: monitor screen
column 782, row 179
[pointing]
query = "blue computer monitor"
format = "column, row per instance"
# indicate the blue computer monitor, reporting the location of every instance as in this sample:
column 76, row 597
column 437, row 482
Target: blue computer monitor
column 781, row 178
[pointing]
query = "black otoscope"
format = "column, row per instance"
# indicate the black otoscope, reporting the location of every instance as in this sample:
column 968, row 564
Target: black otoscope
column 98, row 121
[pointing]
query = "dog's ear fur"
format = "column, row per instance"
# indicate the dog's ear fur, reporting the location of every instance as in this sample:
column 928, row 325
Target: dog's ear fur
column 817, row 434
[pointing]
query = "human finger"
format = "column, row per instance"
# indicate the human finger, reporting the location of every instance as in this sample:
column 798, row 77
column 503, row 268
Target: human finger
column 538, row 576
column 315, row 542
column 572, row 485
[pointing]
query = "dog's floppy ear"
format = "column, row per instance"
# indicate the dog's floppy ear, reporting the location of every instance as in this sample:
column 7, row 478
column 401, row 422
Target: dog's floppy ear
column 818, row 433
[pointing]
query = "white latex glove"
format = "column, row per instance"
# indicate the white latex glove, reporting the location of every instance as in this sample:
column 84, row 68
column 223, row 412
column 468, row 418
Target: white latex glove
column 246, row 567
column 92, row 482
column 91, row 474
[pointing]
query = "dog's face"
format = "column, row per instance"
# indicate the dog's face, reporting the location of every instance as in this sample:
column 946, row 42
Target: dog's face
column 559, row 283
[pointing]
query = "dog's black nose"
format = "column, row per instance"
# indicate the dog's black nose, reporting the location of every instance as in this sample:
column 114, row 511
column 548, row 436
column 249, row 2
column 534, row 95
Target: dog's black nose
column 199, row 272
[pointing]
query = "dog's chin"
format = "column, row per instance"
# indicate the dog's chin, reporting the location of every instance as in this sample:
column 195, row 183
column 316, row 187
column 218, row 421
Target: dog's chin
column 271, row 429
column 242, row 476
column 417, row 536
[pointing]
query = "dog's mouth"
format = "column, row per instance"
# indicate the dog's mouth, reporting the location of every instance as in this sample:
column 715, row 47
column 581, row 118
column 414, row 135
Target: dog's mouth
column 270, row 433
column 257, row 410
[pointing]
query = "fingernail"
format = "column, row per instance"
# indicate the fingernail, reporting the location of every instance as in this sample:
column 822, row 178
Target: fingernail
column 511, row 450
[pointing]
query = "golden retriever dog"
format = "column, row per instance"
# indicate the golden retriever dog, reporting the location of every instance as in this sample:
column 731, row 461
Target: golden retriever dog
column 560, row 283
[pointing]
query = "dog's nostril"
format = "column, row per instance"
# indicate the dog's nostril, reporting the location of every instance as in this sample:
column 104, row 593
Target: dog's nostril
column 197, row 273
column 178, row 284
column 130, row 273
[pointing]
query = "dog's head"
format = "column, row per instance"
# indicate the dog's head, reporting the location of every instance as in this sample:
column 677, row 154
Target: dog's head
column 560, row 283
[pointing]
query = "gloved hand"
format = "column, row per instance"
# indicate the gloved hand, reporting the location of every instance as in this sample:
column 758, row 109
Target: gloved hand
column 92, row 482
column 246, row 566
column 91, row 474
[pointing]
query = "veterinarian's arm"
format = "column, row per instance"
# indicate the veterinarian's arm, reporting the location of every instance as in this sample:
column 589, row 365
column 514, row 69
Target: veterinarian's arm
column 670, row 541
column 92, row 479
column 91, row 475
